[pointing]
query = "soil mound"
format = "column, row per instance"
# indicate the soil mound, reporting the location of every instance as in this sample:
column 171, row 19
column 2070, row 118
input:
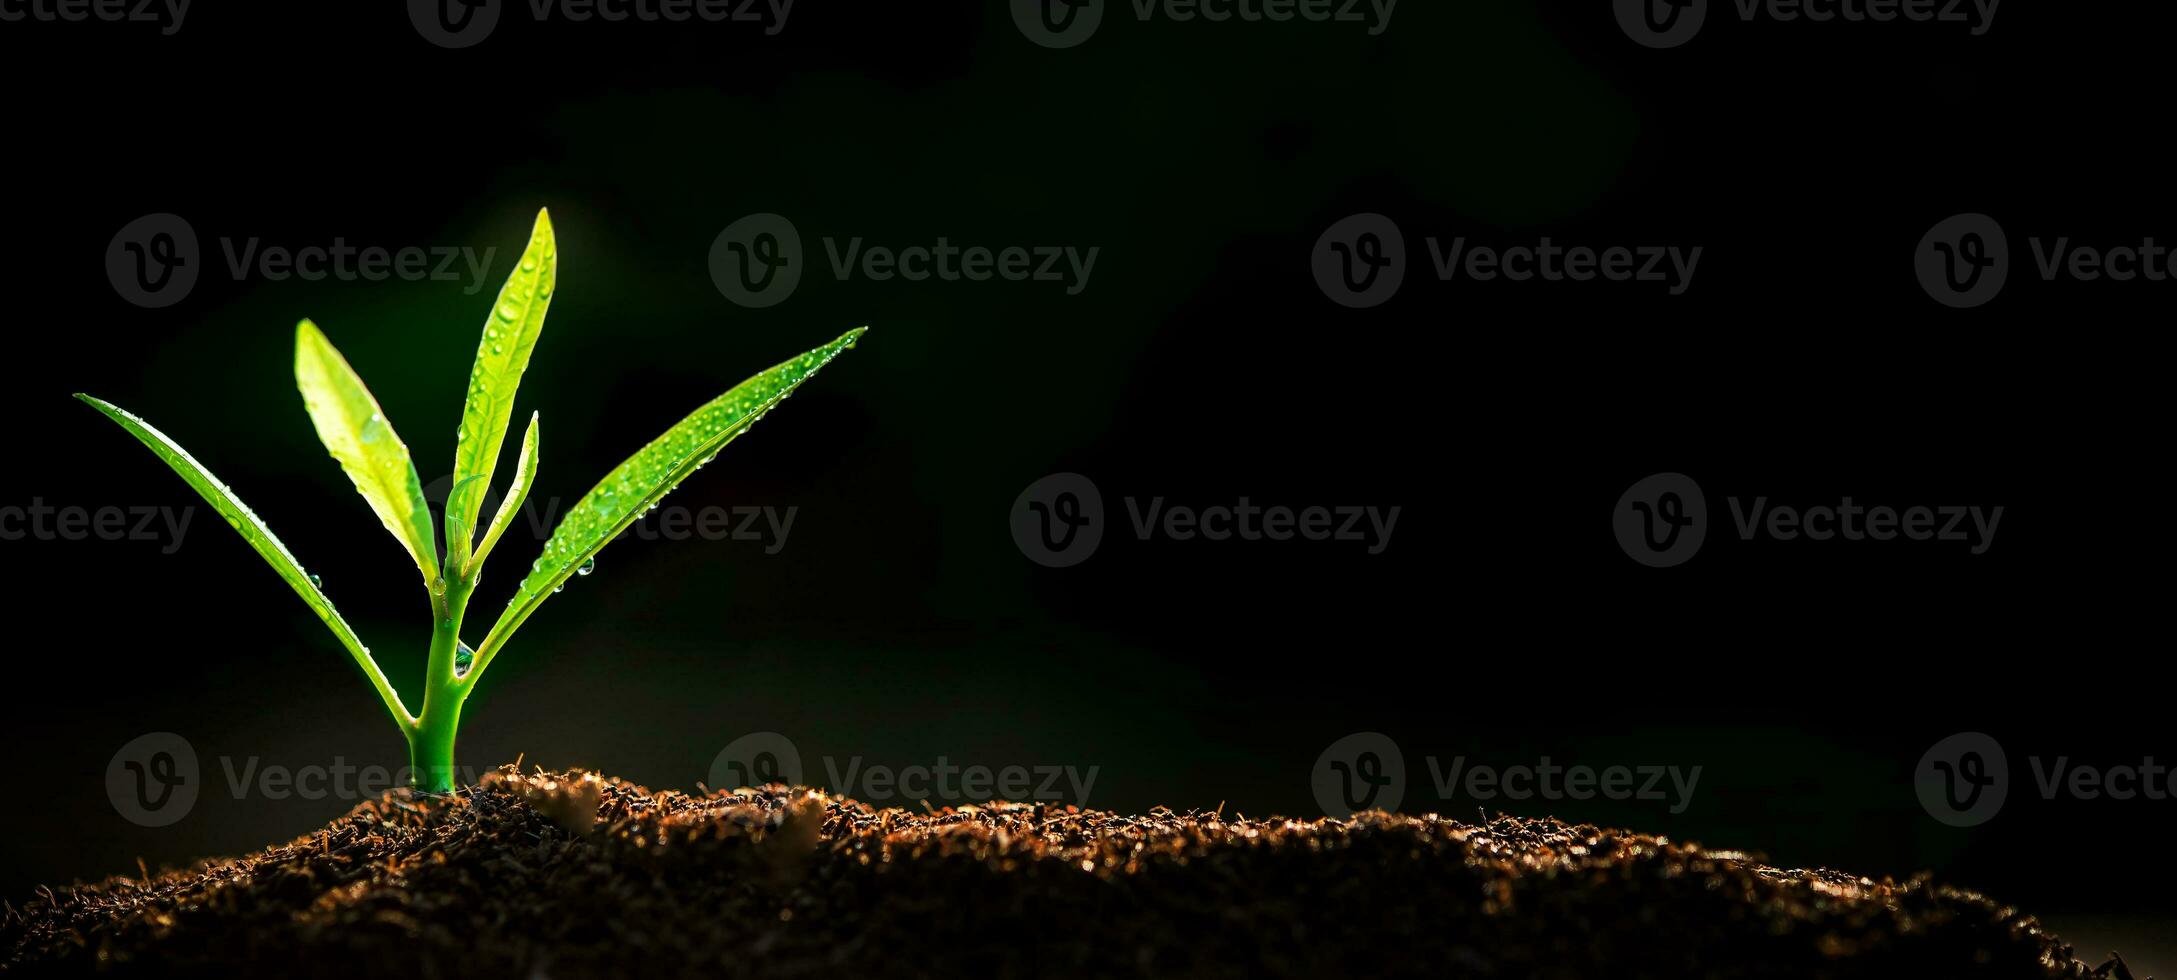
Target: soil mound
column 574, row 875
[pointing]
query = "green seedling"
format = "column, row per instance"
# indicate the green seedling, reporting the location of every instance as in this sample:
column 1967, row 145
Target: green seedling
column 356, row 432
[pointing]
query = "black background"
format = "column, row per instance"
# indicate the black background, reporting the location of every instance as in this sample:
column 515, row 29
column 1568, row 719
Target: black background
column 900, row 622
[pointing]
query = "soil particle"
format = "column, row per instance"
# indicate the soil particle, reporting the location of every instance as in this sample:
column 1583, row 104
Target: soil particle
column 575, row 875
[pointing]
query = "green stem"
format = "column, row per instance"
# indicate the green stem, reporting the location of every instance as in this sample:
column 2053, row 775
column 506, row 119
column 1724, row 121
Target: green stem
column 431, row 750
column 431, row 741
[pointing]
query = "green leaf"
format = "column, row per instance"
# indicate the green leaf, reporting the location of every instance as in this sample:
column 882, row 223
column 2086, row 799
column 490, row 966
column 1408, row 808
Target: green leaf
column 261, row 538
column 356, row 432
column 510, row 333
column 525, row 473
column 633, row 487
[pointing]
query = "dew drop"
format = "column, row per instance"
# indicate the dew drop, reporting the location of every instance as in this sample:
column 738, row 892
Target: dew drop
column 587, row 567
column 317, row 583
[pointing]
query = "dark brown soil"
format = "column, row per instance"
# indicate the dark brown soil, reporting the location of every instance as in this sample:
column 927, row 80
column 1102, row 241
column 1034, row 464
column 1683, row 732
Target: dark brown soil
column 569, row 875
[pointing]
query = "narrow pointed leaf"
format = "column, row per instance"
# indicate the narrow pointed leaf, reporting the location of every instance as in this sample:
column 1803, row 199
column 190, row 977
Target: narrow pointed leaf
column 510, row 334
column 355, row 431
column 260, row 538
column 630, row 490
column 525, row 473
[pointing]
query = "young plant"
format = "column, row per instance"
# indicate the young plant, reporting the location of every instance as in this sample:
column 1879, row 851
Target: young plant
column 356, row 432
